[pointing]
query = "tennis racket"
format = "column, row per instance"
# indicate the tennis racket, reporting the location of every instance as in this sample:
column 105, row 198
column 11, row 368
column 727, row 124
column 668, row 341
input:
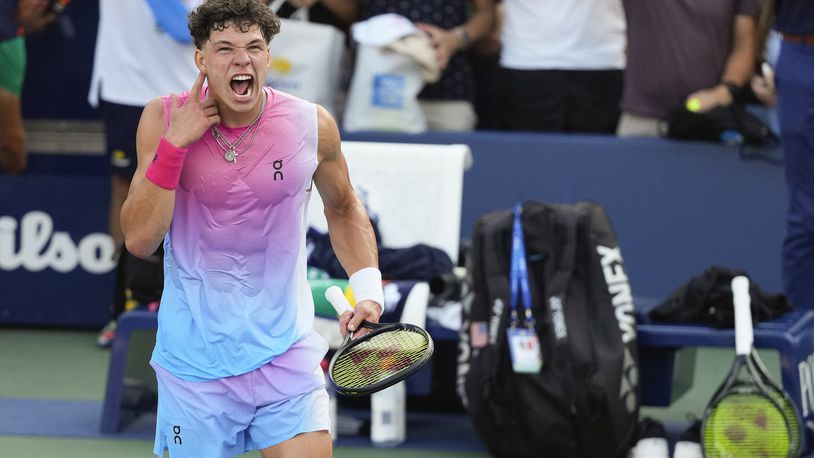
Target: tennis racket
column 783, row 399
column 780, row 396
column 746, row 417
column 386, row 355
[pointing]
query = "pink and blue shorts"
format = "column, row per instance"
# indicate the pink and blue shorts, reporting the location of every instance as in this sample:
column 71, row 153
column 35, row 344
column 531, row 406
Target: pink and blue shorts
column 252, row 411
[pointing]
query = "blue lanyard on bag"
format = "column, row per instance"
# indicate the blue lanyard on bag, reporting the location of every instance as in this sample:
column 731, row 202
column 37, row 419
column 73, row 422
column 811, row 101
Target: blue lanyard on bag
column 519, row 272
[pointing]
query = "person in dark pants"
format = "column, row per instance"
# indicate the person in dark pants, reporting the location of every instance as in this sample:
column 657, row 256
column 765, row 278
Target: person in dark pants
column 561, row 65
column 795, row 104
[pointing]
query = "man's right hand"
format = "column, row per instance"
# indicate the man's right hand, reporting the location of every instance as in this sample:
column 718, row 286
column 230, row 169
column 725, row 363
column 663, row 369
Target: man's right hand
column 763, row 86
column 189, row 121
column 352, row 321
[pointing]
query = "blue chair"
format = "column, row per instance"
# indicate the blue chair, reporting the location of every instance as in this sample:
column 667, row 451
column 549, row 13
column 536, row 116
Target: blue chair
column 791, row 335
column 115, row 413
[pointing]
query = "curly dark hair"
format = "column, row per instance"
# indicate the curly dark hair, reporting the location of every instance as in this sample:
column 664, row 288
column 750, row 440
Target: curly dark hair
column 218, row 14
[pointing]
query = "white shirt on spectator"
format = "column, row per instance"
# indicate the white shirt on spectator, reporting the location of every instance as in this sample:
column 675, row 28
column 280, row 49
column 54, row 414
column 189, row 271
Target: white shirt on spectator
column 135, row 61
column 563, row 35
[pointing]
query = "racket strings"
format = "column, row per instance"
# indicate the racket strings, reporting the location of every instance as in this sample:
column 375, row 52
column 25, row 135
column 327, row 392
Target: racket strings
column 747, row 425
column 378, row 358
column 791, row 417
column 781, row 400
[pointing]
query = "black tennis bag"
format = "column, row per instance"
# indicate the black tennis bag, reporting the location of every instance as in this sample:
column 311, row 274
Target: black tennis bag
column 584, row 402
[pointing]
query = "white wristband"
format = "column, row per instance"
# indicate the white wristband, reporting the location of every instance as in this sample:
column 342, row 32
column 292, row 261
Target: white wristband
column 366, row 285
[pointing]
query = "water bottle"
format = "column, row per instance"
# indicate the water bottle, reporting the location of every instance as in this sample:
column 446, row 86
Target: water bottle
column 388, row 417
column 333, row 428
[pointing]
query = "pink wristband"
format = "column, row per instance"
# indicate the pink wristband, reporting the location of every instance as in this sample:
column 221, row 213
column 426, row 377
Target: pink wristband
column 165, row 170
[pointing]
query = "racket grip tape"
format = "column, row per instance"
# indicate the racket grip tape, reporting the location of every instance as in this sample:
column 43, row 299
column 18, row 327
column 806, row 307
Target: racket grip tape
column 337, row 299
column 744, row 337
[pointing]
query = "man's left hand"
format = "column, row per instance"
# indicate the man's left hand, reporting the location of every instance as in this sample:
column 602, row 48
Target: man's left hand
column 710, row 98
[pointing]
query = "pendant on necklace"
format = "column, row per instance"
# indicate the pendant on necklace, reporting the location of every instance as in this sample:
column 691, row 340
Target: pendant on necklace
column 230, row 155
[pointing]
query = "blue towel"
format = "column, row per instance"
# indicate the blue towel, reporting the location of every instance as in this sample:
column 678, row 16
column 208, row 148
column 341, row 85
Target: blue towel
column 171, row 16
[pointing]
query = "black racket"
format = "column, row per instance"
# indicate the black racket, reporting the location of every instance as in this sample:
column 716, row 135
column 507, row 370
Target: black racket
column 746, row 417
column 386, row 355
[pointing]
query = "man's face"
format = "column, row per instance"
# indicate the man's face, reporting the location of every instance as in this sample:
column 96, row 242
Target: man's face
column 236, row 65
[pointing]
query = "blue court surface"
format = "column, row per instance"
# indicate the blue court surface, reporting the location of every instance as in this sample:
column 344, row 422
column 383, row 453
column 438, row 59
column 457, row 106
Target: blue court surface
column 51, row 388
column 65, row 418
column 52, row 384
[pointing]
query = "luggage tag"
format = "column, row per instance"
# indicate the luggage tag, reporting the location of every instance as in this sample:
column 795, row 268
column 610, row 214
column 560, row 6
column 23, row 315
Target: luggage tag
column 524, row 346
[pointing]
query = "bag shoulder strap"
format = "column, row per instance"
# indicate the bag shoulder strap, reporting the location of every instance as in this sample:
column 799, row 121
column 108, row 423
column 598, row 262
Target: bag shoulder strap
column 559, row 279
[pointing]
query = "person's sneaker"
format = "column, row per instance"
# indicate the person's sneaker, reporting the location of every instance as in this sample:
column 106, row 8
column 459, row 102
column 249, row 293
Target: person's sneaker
column 688, row 445
column 106, row 335
column 652, row 440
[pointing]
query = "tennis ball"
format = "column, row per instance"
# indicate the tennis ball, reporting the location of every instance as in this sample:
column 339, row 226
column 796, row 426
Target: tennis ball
column 694, row 104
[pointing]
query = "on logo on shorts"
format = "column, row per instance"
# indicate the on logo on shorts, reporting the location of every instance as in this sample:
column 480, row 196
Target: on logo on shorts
column 176, row 438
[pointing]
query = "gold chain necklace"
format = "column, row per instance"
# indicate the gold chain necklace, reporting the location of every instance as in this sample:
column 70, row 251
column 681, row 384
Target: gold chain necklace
column 230, row 152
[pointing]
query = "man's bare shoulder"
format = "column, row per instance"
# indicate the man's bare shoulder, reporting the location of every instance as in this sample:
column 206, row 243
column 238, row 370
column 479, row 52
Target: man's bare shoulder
column 152, row 117
column 329, row 139
column 151, row 126
column 153, row 109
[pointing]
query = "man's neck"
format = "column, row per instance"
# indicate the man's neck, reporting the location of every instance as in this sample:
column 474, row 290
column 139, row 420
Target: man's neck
column 233, row 119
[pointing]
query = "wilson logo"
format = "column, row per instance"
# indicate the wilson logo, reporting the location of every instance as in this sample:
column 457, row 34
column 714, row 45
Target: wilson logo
column 41, row 247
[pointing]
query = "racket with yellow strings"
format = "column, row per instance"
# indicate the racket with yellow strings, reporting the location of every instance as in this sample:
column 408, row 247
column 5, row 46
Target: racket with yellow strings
column 387, row 354
column 747, row 417
column 782, row 399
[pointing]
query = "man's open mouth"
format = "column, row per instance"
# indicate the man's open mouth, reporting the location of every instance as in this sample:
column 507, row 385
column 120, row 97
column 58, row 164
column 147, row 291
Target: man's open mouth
column 242, row 84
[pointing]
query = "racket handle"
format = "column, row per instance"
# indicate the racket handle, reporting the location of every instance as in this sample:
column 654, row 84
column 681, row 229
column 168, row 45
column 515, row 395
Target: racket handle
column 337, row 298
column 743, row 315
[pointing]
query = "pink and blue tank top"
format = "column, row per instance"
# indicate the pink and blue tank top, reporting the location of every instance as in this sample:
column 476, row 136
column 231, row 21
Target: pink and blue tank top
column 235, row 288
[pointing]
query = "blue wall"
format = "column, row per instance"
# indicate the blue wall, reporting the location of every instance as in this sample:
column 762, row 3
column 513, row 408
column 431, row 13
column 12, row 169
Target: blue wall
column 677, row 208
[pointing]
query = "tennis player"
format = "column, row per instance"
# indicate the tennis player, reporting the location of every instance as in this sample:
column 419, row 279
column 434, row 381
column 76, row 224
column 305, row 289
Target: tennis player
column 224, row 176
